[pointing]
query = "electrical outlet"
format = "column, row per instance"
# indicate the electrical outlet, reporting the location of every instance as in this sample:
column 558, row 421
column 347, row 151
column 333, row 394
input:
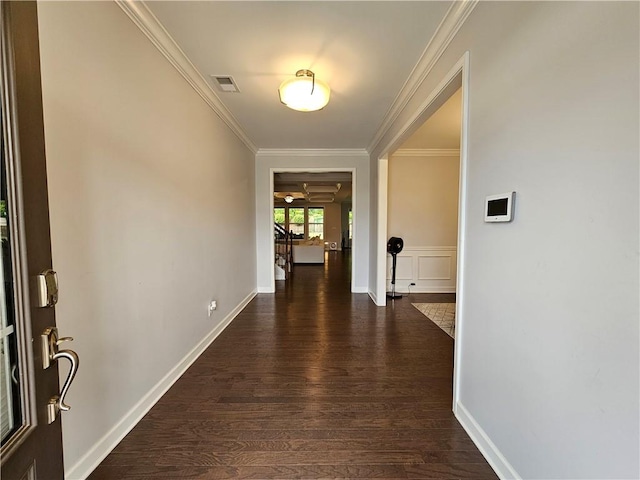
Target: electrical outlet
column 212, row 306
column 412, row 284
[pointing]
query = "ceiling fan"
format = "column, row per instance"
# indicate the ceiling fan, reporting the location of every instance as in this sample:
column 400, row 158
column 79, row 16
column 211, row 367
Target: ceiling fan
column 289, row 197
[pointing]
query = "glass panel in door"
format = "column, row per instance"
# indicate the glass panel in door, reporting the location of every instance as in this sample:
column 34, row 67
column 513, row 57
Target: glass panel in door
column 10, row 418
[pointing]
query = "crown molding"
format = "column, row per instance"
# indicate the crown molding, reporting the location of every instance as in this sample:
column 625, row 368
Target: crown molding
column 446, row 31
column 426, row 152
column 147, row 22
column 312, row 152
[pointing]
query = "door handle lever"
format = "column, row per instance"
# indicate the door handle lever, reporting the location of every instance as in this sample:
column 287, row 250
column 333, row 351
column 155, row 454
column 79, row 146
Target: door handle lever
column 73, row 359
column 50, row 354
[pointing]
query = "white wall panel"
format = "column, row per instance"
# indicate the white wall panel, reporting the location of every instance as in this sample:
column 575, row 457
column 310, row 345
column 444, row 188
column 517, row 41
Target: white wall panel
column 432, row 269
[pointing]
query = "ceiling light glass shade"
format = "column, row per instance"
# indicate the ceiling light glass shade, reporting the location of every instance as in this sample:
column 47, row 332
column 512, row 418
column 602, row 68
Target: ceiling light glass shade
column 288, row 199
column 304, row 93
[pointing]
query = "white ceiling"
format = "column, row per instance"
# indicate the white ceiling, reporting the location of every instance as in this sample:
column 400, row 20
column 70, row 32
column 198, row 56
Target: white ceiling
column 442, row 129
column 365, row 50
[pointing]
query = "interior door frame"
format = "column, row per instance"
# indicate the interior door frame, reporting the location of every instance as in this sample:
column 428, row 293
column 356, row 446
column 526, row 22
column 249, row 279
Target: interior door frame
column 352, row 170
column 459, row 71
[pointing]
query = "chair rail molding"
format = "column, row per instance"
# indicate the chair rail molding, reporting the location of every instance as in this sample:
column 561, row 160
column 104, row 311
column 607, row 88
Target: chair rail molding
column 149, row 24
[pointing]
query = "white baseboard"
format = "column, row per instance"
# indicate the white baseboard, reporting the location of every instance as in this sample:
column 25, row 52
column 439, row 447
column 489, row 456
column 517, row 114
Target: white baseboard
column 491, row 453
column 88, row 463
column 426, row 290
column 266, row 290
column 373, row 297
column 359, row 290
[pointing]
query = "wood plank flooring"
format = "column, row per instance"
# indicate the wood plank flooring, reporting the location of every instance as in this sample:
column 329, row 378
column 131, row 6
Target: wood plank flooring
column 312, row 382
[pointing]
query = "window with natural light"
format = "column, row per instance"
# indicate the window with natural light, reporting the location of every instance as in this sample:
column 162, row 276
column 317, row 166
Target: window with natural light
column 303, row 222
column 278, row 216
column 316, row 222
column 296, row 221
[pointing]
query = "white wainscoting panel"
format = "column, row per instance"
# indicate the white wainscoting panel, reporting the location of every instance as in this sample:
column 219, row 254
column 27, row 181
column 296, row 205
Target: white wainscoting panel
column 404, row 268
column 432, row 269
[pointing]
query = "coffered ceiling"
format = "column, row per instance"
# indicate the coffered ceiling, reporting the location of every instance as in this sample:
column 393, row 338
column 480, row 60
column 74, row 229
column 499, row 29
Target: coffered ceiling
column 309, row 188
column 365, row 50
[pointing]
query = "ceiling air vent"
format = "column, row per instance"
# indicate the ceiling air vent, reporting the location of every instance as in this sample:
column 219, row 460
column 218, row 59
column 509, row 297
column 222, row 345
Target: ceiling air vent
column 224, row 83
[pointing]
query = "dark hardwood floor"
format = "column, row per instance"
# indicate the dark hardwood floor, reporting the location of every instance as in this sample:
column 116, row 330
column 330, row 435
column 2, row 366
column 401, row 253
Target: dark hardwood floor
column 312, row 382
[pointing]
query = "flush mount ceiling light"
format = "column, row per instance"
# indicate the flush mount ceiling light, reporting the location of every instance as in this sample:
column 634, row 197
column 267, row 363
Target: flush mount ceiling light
column 288, row 198
column 304, row 93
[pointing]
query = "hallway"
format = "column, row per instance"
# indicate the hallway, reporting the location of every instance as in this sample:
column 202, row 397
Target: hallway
column 312, row 382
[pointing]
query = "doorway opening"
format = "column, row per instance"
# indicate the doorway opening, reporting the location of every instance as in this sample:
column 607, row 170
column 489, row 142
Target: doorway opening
column 312, row 218
column 423, row 182
column 457, row 79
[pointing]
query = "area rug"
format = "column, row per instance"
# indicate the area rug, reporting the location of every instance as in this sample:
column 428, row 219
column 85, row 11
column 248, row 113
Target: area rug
column 442, row 314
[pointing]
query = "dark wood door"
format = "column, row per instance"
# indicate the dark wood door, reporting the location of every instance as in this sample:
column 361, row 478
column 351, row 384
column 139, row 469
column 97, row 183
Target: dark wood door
column 31, row 438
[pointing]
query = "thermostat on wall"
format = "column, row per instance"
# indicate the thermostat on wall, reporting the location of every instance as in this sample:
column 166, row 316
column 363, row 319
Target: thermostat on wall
column 499, row 208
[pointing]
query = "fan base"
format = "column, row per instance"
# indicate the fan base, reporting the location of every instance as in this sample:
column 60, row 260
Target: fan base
column 393, row 296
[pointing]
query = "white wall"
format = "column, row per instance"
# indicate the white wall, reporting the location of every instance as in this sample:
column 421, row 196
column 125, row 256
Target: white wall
column 140, row 173
column 423, row 199
column 300, row 160
column 548, row 365
column 332, row 223
column 441, row 130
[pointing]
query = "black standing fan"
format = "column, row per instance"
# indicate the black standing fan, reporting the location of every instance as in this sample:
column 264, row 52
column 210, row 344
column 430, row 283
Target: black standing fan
column 394, row 247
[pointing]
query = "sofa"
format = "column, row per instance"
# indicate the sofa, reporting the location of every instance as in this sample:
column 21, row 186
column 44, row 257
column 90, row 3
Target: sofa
column 308, row 254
